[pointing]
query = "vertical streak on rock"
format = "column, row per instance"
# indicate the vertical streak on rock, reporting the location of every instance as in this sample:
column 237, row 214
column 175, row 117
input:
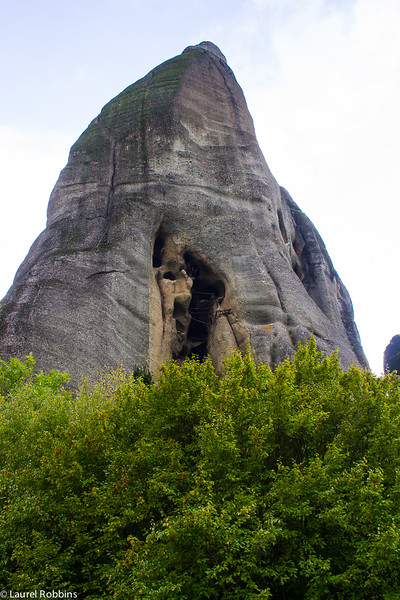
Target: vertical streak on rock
column 143, row 136
column 113, row 163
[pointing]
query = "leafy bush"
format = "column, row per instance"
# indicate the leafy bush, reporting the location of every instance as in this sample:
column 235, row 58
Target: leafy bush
column 258, row 484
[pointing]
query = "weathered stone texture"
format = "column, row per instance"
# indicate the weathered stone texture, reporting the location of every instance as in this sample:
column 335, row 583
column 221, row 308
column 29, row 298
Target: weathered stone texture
column 168, row 235
column 391, row 357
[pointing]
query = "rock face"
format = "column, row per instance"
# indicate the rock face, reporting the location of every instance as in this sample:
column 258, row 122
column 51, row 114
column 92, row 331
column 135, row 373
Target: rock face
column 167, row 235
column 391, row 357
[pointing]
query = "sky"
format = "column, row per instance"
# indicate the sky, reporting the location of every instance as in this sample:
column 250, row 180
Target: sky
column 322, row 82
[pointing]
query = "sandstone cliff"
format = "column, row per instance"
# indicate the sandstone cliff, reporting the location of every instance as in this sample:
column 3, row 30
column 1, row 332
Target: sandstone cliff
column 167, row 235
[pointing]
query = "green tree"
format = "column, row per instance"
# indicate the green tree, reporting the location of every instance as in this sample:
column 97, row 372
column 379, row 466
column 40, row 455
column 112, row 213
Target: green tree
column 258, row 484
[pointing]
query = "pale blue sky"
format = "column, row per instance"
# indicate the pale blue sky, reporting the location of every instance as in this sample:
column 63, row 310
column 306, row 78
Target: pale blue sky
column 322, row 80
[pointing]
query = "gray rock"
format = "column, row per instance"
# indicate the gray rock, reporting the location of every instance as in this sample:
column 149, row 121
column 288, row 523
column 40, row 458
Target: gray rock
column 391, row 357
column 167, row 235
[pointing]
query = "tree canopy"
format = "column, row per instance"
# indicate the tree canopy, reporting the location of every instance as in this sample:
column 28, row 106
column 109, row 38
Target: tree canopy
column 259, row 484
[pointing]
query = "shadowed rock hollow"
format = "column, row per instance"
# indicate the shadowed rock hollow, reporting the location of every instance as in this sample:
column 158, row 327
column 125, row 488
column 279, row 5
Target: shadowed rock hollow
column 167, row 235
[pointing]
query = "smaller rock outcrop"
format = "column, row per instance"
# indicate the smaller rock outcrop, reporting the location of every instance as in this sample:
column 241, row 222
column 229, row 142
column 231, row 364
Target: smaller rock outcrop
column 391, row 357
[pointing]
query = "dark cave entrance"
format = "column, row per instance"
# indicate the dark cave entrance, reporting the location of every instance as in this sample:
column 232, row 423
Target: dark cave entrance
column 158, row 251
column 208, row 292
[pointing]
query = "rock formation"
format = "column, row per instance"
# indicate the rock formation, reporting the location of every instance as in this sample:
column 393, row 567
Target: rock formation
column 391, row 357
column 167, row 235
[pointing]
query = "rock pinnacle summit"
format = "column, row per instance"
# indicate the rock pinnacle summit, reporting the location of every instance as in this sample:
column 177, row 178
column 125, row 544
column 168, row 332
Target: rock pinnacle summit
column 168, row 236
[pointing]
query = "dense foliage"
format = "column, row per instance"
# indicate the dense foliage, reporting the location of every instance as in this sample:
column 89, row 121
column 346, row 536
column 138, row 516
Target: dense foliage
column 258, row 484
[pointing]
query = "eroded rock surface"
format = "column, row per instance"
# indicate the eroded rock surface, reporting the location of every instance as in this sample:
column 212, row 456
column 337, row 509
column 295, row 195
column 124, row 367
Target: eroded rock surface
column 167, row 235
column 391, row 357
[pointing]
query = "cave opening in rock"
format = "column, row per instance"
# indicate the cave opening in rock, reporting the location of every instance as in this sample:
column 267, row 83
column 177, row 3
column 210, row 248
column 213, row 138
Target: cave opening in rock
column 190, row 295
column 208, row 291
column 158, row 251
column 169, row 275
column 201, row 311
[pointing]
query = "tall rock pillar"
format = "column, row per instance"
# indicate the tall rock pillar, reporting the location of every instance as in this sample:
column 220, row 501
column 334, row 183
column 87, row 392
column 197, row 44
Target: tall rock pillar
column 167, row 235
